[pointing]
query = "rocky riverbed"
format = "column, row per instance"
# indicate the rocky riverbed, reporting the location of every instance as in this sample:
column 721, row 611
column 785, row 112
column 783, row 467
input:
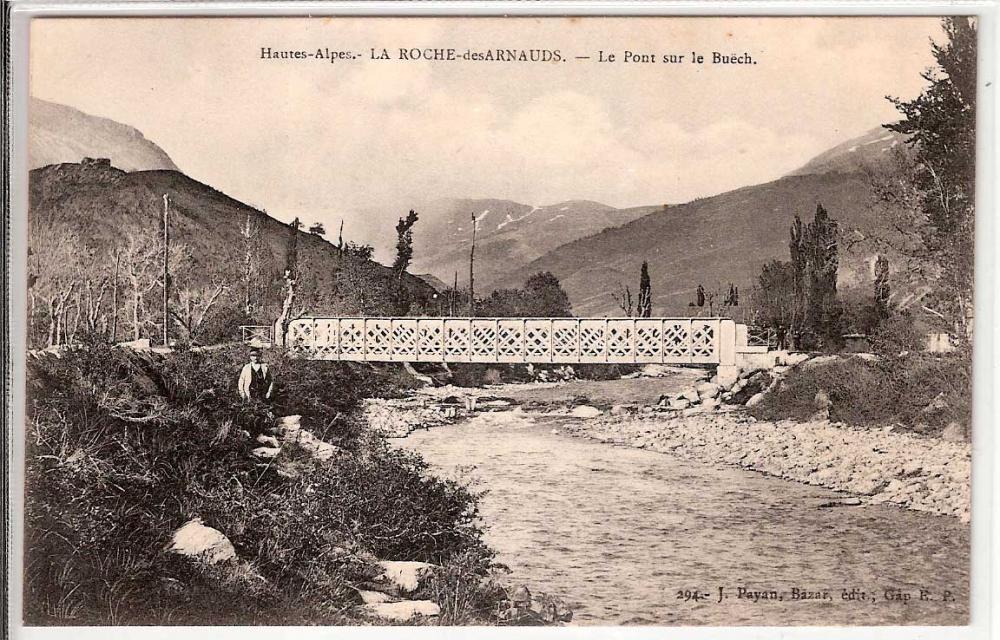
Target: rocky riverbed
column 877, row 465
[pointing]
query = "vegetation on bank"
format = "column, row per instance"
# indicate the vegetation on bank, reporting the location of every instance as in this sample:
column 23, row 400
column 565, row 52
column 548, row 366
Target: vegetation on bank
column 915, row 392
column 123, row 448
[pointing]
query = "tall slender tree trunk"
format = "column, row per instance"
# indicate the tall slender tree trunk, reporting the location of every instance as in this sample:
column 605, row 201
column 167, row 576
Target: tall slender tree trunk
column 114, row 299
column 472, row 270
column 166, row 274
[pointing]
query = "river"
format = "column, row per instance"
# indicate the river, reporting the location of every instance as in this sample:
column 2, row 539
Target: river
column 619, row 533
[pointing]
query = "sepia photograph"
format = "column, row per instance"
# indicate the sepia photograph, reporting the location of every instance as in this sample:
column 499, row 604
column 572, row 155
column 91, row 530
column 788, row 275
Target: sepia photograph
column 555, row 321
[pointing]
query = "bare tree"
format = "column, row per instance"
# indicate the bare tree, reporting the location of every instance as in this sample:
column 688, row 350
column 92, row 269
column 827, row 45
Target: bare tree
column 194, row 304
column 53, row 275
column 141, row 261
column 624, row 299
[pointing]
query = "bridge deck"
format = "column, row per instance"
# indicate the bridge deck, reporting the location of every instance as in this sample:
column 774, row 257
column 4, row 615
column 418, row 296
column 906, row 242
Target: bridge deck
column 551, row 340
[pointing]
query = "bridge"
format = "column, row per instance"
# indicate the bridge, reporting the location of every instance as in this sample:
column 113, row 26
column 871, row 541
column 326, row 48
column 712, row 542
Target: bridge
column 709, row 341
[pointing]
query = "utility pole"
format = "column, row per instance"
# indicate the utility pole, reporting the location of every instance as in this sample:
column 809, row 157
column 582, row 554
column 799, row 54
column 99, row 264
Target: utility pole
column 166, row 273
column 472, row 260
column 114, row 298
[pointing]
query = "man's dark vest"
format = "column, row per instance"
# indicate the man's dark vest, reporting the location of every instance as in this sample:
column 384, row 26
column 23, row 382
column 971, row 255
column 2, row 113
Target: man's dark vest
column 259, row 382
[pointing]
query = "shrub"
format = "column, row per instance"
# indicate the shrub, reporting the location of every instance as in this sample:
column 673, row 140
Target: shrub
column 123, row 448
column 919, row 392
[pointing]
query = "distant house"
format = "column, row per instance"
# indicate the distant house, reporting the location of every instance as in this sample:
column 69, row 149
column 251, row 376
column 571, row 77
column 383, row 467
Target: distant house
column 856, row 343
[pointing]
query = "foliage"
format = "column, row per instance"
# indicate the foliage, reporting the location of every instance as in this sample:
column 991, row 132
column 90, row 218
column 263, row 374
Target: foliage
column 941, row 127
column 123, row 448
column 772, row 300
column 404, row 253
column 816, row 320
column 644, row 308
column 317, row 228
column 917, row 392
column 541, row 297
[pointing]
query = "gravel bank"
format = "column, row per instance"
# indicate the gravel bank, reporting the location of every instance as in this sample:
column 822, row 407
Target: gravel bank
column 879, row 466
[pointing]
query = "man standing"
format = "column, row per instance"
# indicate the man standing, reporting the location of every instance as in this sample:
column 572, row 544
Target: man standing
column 256, row 382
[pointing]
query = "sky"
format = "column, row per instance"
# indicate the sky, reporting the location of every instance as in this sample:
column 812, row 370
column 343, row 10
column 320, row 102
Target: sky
column 364, row 139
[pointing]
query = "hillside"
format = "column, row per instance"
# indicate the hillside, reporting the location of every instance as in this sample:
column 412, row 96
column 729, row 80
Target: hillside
column 853, row 155
column 104, row 204
column 716, row 240
column 58, row 134
column 508, row 234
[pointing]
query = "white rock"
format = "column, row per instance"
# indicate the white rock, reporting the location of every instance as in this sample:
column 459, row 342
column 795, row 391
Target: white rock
column 693, row 411
column 406, row 575
column 403, row 611
column 290, row 422
column 585, row 411
column 374, row 597
column 709, row 404
column 953, row 433
column 708, row 390
column 267, row 441
column 266, row 453
column 691, row 395
column 679, row 404
column 755, row 400
column 205, row 543
column 654, row 371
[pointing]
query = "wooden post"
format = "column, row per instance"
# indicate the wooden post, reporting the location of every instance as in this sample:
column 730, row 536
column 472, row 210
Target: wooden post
column 472, row 260
column 166, row 273
column 454, row 296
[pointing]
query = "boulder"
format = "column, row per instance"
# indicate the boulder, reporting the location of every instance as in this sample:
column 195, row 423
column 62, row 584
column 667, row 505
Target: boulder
column 679, row 404
column 290, row 422
column 753, row 385
column 374, row 597
column 266, row 453
column 622, row 409
column 585, row 411
column 710, row 404
column 822, row 400
column 708, row 390
column 406, row 576
column 809, row 363
column 403, row 611
column 196, row 540
column 654, row 371
column 954, row 432
column 693, row 411
column 755, row 399
column 267, row 441
column 691, row 395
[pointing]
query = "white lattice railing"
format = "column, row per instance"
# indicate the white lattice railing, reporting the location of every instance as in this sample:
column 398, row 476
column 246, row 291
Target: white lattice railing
column 256, row 334
column 556, row 340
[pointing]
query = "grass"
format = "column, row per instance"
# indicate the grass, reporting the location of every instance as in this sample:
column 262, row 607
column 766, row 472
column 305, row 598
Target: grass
column 123, row 448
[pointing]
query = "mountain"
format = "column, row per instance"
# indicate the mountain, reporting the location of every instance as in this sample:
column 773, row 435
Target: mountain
column 852, row 156
column 508, row 234
column 97, row 206
column 717, row 240
column 58, row 134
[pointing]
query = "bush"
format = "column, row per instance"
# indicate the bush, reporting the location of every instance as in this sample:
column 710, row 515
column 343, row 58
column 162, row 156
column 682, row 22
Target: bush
column 123, row 448
column 919, row 392
column 895, row 335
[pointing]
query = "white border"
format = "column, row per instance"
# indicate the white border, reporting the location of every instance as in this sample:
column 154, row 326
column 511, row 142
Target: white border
column 985, row 595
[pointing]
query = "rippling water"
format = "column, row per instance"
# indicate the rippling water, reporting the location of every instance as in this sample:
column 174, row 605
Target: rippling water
column 617, row 532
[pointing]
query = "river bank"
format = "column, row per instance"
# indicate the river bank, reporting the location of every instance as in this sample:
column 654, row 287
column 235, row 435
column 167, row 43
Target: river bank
column 877, row 465
column 922, row 473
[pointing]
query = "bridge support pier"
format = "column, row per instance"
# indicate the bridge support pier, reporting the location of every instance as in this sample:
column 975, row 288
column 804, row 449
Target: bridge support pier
column 728, row 371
